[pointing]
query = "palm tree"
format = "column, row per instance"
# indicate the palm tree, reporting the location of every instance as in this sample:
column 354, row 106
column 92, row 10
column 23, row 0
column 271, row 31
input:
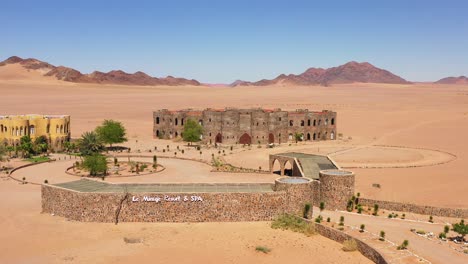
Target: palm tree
column 90, row 144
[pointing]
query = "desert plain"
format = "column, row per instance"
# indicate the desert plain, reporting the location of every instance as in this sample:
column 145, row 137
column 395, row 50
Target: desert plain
column 409, row 138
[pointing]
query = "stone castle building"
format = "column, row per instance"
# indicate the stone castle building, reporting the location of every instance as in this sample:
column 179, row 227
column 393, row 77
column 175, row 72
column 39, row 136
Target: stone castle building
column 248, row 126
column 56, row 128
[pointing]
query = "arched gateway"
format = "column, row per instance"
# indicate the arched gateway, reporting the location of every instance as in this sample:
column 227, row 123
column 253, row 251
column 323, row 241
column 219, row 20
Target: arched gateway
column 245, row 139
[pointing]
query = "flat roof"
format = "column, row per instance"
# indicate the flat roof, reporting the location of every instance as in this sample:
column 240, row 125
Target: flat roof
column 311, row 164
column 92, row 186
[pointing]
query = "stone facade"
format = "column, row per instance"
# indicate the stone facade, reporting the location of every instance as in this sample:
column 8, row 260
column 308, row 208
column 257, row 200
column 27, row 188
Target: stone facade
column 248, row 126
column 56, row 129
column 236, row 206
column 417, row 209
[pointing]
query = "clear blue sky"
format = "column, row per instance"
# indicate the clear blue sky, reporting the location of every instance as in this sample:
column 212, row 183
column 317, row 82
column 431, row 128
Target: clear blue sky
column 220, row 41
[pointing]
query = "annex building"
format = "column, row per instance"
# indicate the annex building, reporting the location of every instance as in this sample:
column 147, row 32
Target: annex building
column 56, row 128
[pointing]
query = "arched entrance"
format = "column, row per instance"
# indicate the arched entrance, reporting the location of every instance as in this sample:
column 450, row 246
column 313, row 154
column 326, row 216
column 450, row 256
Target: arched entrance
column 276, row 169
column 245, row 139
column 219, row 138
column 271, row 138
column 308, row 136
column 288, row 168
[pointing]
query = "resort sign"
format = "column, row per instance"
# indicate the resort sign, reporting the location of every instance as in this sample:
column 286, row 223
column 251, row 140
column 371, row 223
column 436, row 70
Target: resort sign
column 167, row 198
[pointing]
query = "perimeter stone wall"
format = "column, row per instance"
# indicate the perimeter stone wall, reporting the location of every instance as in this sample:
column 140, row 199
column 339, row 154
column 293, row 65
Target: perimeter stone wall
column 174, row 207
column 417, row 209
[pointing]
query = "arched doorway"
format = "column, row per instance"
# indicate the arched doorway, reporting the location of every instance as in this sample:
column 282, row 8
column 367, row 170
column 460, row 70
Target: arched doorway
column 245, row 139
column 288, row 169
column 271, row 138
column 308, row 136
column 219, row 138
column 276, row 169
column 314, row 136
column 332, row 135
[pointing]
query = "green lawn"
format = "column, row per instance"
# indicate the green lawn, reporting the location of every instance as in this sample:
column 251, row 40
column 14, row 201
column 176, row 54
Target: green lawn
column 38, row 159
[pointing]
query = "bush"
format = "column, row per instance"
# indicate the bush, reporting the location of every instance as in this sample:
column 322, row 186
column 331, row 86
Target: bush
column 349, row 245
column 382, row 236
column 376, row 210
column 322, row 206
column 446, row 229
column 431, row 219
column 420, row 232
column 341, row 221
column 95, row 164
column 263, row 249
column 328, row 219
column 442, row 235
column 318, row 219
column 306, row 211
column 295, row 224
column 403, row 245
column 362, row 228
column 46, row 181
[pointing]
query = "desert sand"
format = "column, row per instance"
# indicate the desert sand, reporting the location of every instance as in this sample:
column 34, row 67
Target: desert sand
column 413, row 135
column 411, row 116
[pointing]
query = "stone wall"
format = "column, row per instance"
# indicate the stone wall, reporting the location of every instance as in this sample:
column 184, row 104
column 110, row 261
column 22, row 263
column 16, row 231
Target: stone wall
column 184, row 207
column 417, row 209
column 364, row 248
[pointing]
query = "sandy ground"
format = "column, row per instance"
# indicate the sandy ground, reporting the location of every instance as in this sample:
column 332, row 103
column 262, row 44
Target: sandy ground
column 410, row 117
column 30, row 237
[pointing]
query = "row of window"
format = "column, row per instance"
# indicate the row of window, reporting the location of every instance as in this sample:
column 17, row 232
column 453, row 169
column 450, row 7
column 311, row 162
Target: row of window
column 307, row 136
column 20, row 131
column 315, row 122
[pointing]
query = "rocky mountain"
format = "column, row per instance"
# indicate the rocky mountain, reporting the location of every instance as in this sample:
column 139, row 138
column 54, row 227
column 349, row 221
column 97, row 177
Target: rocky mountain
column 453, row 80
column 112, row 77
column 350, row 72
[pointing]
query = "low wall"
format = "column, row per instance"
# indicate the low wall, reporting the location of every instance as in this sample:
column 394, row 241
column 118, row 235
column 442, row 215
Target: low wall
column 365, row 249
column 417, row 209
column 174, row 207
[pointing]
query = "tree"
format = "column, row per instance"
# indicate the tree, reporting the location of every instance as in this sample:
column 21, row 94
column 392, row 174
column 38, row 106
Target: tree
column 40, row 145
column 90, row 144
column 192, row 131
column 111, row 132
column 95, row 164
column 3, row 151
column 298, row 136
column 26, row 146
column 461, row 228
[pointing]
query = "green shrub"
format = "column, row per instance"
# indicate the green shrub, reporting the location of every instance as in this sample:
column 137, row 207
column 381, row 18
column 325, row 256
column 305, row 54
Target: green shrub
column 322, row 206
column 349, row 245
column 382, row 236
column 263, row 249
column 376, row 209
column 328, row 219
column 46, row 181
column 295, row 224
column 306, row 211
column 403, row 245
column 318, row 219
column 362, row 228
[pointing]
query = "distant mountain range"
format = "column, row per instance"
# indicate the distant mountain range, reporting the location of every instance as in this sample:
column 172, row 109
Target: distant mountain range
column 112, row 77
column 351, row 72
column 453, row 80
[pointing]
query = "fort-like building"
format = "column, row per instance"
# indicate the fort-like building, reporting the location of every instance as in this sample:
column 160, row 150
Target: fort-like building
column 56, row 128
column 248, row 126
